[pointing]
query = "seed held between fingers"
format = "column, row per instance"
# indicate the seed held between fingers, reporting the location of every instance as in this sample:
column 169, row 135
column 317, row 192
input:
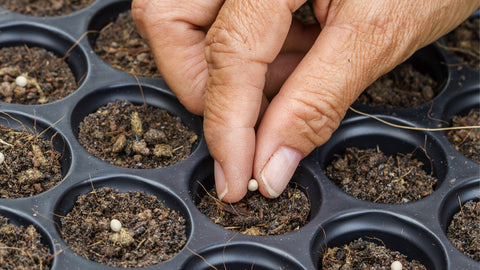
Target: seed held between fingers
column 252, row 185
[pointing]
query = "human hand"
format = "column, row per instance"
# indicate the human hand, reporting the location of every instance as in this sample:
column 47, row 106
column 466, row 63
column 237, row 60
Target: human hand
column 225, row 58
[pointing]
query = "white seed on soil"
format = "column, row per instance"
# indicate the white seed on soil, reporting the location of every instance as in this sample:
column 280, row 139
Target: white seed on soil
column 2, row 157
column 21, row 81
column 115, row 225
column 396, row 265
column 252, row 185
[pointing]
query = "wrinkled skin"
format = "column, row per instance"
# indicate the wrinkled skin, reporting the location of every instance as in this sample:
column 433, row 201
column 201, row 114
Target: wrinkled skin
column 271, row 90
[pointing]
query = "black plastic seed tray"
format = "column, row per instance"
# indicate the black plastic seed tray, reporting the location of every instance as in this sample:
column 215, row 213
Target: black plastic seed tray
column 416, row 229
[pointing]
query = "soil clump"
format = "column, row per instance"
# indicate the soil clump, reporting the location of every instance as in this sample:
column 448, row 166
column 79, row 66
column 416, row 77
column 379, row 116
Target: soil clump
column 466, row 141
column 120, row 45
column 464, row 229
column 42, row 8
column 258, row 215
column 151, row 233
column 136, row 136
column 369, row 174
column 49, row 78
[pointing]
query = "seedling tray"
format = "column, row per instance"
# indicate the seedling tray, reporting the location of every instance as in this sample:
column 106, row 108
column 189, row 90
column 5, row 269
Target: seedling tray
column 417, row 229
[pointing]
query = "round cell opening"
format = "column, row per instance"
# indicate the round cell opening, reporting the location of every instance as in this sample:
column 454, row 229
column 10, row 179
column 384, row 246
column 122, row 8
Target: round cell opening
column 385, row 229
column 45, row 8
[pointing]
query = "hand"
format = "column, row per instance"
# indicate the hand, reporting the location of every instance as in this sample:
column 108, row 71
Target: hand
column 226, row 58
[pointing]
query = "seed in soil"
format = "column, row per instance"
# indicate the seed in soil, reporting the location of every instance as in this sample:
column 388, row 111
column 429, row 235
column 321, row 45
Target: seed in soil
column 150, row 232
column 403, row 87
column 466, row 141
column 362, row 254
column 22, row 248
column 464, row 42
column 369, row 174
column 42, row 8
column 258, row 215
column 120, row 45
column 396, row 265
column 33, row 76
column 464, row 229
column 31, row 165
column 136, row 136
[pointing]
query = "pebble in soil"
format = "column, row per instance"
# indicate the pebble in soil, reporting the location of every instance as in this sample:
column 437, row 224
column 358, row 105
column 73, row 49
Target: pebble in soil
column 404, row 87
column 136, row 136
column 31, row 165
column 369, row 174
column 151, row 233
column 464, row 42
column 21, row 248
column 362, row 254
column 120, row 45
column 49, row 77
column 42, row 8
column 464, row 229
column 258, row 215
column 466, row 141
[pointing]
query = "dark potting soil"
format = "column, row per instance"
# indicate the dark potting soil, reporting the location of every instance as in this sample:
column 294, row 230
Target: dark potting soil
column 464, row 229
column 31, row 165
column 136, row 136
column 258, row 215
column 369, row 174
column 467, row 141
column 464, row 42
column 21, row 248
column 403, row 87
column 362, row 254
column 42, row 8
column 120, row 45
column 151, row 232
column 49, row 78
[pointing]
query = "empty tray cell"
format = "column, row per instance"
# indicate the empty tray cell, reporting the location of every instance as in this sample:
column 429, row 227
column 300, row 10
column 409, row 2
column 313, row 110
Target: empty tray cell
column 42, row 8
column 123, row 222
column 35, row 157
column 386, row 230
column 37, row 65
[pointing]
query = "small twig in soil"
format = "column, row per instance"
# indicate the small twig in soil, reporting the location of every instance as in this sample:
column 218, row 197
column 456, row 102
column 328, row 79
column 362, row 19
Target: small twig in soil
column 141, row 90
column 201, row 257
column 76, row 43
column 51, row 220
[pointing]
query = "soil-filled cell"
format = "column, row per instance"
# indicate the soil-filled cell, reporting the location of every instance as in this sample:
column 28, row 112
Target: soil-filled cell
column 122, row 222
column 464, row 42
column 23, row 245
column 42, row 8
column 117, row 42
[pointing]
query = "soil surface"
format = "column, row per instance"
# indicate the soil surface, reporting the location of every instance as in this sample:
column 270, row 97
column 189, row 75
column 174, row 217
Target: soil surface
column 151, row 233
column 21, row 248
column 362, row 254
column 369, row 174
column 43, row 8
column 403, row 87
column 464, row 230
column 464, row 42
column 49, row 78
column 31, row 165
column 120, row 45
column 467, row 141
column 258, row 215
column 136, row 136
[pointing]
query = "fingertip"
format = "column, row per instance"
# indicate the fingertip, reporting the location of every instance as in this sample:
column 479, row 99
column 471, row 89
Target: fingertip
column 234, row 194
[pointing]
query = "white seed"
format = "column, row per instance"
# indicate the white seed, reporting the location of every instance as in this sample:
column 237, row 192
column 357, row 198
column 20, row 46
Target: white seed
column 21, row 81
column 115, row 225
column 2, row 157
column 396, row 265
column 252, row 185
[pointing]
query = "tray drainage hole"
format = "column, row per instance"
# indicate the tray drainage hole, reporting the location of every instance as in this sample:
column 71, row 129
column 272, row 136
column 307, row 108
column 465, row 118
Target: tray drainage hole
column 34, row 75
column 120, row 45
column 30, row 164
column 409, row 85
column 464, row 42
column 23, row 246
column 466, row 141
column 464, row 229
column 369, row 174
column 123, row 229
column 42, row 8
column 136, row 136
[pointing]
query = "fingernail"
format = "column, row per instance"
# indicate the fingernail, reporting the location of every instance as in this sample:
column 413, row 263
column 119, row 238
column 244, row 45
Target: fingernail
column 279, row 170
column 220, row 183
